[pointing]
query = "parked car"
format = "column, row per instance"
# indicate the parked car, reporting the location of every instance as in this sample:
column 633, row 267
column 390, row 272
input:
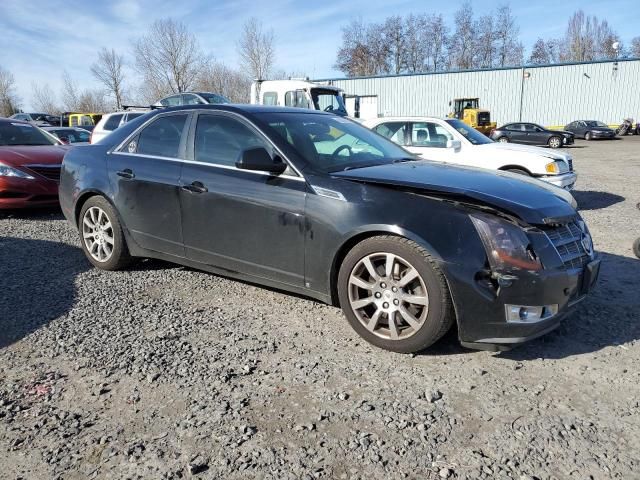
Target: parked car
column 192, row 98
column 39, row 119
column 30, row 162
column 111, row 121
column 531, row 134
column 407, row 247
column 590, row 129
column 70, row 135
column 452, row 141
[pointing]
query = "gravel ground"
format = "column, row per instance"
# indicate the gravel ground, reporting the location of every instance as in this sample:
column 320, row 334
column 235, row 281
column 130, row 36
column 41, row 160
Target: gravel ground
column 167, row 372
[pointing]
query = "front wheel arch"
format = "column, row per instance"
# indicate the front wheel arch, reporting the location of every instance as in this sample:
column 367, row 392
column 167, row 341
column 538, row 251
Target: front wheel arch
column 506, row 168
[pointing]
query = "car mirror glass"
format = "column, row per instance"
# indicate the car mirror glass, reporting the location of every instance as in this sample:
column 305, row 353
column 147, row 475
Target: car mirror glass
column 259, row 159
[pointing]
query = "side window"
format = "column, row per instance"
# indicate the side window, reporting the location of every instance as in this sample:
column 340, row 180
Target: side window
column 161, row 137
column 220, row 140
column 190, row 99
column 131, row 116
column 172, row 101
column 427, row 134
column 112, row 122
column 296, row 99
column 73, row 122
column 270, row 98
column 394, row 131
column 528, row 127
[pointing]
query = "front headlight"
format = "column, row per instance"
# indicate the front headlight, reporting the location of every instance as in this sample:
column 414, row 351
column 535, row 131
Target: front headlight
column 507, row 245
column 7, row 171
column 556, row 167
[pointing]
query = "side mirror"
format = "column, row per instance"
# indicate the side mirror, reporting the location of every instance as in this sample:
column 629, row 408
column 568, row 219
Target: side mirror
column 259, row 159
column 455, row 144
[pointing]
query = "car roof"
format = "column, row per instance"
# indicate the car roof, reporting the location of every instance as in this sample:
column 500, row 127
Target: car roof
column 405, row 119
column 4, row 121
column 242, row 108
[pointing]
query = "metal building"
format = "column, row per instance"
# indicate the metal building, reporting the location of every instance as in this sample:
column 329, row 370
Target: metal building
column 551, row 95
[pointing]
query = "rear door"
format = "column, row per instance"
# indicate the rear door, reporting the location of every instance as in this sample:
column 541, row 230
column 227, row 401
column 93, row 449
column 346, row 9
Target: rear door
column 144, row 175
column 517, row 133
column 244, row 221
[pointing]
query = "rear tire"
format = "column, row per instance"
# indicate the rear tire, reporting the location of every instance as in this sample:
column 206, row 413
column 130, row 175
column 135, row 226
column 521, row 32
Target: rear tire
column 555, row 142
column 101, row 235
column 401, row 316
column 588, row 136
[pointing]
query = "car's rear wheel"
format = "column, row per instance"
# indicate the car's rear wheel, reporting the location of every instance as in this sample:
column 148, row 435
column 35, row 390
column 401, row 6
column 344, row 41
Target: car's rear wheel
column 503, row 139
column 101, row 235
column 394, row 295
column 555, row 142
column 588, row 136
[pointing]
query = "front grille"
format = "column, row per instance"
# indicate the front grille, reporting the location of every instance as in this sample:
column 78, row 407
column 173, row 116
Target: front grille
column 51, row 172
column 570, row 165
column 484, row 118
column 567, row 239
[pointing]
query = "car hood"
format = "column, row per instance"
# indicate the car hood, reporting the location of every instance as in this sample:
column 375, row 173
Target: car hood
column 19, row 155
column 534, row 201
column 541, row 152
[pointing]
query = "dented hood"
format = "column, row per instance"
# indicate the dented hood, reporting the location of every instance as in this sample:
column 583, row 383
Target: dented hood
column 533, row 201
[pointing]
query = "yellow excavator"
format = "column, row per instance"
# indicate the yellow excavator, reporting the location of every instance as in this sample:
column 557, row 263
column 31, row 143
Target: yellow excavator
column 468, row 110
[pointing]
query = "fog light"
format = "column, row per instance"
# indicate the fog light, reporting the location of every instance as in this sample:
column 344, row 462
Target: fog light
column 529, row 314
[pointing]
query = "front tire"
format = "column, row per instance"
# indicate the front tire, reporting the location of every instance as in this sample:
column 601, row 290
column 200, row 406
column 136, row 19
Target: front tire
column 394, row 295
column 588, row 136
column 555, row 142
column 503, row 139
column 101, row 235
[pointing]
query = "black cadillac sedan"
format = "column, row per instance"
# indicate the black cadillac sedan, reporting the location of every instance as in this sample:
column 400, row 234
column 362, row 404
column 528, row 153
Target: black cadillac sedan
column 319, row 205
column 531, row 134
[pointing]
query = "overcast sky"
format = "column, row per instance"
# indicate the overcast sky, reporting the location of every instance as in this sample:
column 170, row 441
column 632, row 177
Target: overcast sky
column 41, row 38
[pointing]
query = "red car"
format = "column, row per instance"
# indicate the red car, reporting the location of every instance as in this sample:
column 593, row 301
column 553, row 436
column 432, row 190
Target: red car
column 30, row 162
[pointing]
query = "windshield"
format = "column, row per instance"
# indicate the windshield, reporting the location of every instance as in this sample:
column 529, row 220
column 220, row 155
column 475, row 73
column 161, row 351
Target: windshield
column 471, row 134
column 331, row 143
column 328, row 101
column 23, row 134
column 214, row 98
column 71, row 135
column 595, row 123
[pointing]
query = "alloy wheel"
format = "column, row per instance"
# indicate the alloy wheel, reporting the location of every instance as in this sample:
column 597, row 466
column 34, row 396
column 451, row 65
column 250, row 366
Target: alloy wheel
column 554, row 142
column 503, row 140
column 97, row 233
column 388, row 296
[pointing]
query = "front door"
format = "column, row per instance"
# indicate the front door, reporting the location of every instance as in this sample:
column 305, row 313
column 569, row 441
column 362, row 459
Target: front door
column 429, row 140
column 243, row 221
column 144, row 176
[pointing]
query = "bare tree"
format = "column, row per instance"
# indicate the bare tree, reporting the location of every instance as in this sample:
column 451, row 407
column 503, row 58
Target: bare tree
column 70, row 95
column 9, row 101
column 43, row 99
column 635, row 47
column 168, row 57
column 580, row 37
column 356, row 56
column 109, row 71
column 462, row 44
column 394, row 33
column 509, row 50
column 415, row 27
column 217, row 77
column 437, row 38
column 485, row 49
column 75, row 100
column 256, row 49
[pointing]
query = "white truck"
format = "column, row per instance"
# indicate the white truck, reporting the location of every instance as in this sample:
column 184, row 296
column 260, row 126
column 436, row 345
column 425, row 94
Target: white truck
column 299, row 93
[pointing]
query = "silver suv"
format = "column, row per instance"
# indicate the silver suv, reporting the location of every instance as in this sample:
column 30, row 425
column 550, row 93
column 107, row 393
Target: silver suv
column 110, row 121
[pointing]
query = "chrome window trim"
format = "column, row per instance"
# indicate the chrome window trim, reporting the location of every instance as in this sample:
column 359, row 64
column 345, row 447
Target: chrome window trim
column 117, row 149
column 225, row 167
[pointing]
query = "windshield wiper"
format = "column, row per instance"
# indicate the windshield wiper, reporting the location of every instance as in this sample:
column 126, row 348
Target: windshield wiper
column 406, row 159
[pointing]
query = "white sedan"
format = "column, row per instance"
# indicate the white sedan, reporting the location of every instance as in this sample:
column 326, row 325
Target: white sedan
column 452, row 141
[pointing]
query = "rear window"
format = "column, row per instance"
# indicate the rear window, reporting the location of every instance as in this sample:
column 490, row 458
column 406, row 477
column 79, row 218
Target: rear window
column 131, row 116
column 23, row 134
column 112, row 122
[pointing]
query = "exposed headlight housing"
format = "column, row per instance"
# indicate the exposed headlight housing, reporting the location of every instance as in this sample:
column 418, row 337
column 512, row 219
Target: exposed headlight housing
column 507, row 246
column 7, row 171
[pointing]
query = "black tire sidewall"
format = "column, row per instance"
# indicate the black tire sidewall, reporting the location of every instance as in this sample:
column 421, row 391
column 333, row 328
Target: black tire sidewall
column 588, row 136
column 439, row 311
column 120, row 257
column 559, row 142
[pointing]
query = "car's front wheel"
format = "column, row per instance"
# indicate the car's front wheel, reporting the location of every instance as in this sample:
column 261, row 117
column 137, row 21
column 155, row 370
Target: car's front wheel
column 394, row 295
column 101, row 235
column 503, row 139
column 588, row 136
column 555, row 142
